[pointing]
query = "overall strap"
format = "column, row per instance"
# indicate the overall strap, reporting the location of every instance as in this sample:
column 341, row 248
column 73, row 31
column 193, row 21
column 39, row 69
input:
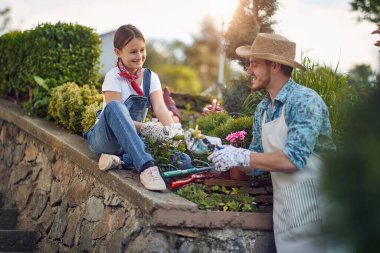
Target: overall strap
column 146, row 84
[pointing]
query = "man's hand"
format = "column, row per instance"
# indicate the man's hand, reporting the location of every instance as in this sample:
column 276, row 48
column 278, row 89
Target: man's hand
column 228, row 157
column 157, row 132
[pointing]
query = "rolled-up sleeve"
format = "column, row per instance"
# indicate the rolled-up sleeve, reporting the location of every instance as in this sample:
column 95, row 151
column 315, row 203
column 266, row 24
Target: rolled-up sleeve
column 307, row 116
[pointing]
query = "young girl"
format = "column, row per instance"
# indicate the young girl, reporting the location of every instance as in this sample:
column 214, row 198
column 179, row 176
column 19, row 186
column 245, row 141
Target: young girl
column 128, row 91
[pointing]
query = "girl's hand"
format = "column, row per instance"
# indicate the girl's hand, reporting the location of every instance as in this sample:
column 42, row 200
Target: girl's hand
column 157, row 132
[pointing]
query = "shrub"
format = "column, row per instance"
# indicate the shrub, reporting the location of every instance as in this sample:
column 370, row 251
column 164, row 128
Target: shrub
column 88, row 115
column 68, row 104
column 235, row 94
column 12, row 55
column 354, row 200
column 209, row 122
column 334, row 90
column 57, row 53
column 234, row 125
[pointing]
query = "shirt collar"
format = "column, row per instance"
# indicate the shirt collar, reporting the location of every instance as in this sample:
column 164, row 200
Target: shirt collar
column 282, row 95
column 285, row 91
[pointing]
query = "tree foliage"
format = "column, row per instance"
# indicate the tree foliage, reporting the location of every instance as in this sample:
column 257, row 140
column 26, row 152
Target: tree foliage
column 203, row 55
column 363, row 78
column 354, row 213
column 370, row 9
column 250, row 18
column 4, row 19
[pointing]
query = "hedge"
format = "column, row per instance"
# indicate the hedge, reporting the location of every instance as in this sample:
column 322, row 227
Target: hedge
column 58, row 53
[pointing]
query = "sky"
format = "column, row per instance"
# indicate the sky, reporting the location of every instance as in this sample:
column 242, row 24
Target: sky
column 324, row 30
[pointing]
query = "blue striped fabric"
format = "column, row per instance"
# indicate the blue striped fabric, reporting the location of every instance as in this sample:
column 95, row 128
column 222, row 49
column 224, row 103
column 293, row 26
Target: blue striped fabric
column 298, row 207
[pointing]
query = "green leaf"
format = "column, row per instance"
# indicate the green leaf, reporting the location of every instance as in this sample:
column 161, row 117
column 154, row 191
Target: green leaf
column 41, row 82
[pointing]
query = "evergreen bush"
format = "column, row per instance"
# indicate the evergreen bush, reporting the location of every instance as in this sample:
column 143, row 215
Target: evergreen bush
column 235, row 125
column 57, row 53
column 69, row 102
column 209, row 122
column 234, row 95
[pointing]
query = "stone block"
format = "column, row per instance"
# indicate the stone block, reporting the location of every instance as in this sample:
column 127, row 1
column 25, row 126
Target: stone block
column 77, row 193
column 8, row 155
column 47, row 218
column 115, row 243
column 60, row 223
column 86, row 237
column 21, row 194
column 68, row 172
column 57, row 169
column 4, row 136
column 18, row 153
column 73, row 223
column 55, row 193
column 31, row 152
column 20, row 138
column 39, row 203
column 44, row 180
column 103, row 227
column 117, row 219
column 149, row 242
column 42, row 159
column 21, row 172
column 94, row 209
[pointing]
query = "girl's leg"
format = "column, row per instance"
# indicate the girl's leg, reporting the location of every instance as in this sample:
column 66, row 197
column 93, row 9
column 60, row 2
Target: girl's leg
column 115, row 132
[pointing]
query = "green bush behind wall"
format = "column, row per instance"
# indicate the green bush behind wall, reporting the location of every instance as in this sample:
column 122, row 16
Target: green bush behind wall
column 58, row 53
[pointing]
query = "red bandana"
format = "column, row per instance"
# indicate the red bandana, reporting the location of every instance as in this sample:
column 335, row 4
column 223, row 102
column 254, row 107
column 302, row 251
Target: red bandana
column 132, row 78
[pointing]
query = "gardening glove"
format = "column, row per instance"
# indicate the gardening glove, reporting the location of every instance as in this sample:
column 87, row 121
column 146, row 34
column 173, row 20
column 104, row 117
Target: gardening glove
column 194, row 144
column 228, row 157
column 198, row 143
column 157, row 132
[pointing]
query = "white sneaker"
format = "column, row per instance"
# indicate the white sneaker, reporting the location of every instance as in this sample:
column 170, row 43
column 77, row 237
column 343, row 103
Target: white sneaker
column 152, row 180
column 107, row 162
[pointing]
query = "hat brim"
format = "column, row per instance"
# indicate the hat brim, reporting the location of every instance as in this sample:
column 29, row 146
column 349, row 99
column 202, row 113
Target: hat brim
column 246, row 52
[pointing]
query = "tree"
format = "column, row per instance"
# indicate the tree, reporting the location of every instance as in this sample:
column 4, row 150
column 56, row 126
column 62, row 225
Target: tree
column 166, row 59
column 4, row 19
column 370, row 9
column 250, row 18
column 363, row 78
column 203, row 55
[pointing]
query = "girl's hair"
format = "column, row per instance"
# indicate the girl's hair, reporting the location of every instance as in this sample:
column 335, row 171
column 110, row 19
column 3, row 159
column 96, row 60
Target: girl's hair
column 124, row 34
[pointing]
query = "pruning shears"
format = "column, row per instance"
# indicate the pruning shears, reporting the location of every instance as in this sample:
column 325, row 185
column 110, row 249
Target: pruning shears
column 176, row 173
column 179, row 183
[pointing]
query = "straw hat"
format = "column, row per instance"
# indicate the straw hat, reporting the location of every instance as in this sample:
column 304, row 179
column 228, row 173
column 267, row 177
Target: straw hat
column 271, row 47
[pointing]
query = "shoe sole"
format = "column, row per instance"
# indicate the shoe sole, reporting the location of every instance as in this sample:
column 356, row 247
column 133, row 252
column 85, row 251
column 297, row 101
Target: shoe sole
column 105, row 162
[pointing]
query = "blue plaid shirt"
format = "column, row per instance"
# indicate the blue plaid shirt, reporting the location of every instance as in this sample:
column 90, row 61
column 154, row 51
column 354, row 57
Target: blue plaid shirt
column 307, row 118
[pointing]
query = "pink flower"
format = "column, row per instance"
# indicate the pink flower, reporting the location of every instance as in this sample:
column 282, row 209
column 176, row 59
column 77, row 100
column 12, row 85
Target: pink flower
column 235, row 137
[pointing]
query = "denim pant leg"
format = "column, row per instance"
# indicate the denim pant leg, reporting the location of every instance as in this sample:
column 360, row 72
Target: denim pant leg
column 115, row 133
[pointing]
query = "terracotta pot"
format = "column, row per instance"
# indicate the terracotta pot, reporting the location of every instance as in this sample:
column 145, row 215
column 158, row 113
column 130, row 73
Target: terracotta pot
column 236, row 174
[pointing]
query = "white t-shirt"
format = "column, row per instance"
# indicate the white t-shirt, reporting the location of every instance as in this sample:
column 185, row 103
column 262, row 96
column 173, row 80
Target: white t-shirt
column 114, row 82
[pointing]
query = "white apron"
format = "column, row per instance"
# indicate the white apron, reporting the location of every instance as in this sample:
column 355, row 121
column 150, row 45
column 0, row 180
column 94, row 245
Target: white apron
column 297, row 217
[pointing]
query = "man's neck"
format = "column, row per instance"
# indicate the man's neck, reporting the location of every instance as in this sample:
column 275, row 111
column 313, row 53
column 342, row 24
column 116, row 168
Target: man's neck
column 276, row 85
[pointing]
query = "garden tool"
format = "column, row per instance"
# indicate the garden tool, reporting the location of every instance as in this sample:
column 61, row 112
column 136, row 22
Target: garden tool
column 176, row 173
column 199, row 143
column 179, row 183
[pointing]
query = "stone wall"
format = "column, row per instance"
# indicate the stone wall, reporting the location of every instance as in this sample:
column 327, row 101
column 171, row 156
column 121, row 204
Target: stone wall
column 49, row 175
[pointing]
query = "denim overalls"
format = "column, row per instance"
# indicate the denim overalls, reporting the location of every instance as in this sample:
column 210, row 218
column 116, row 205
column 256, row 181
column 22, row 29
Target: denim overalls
column 115, row 132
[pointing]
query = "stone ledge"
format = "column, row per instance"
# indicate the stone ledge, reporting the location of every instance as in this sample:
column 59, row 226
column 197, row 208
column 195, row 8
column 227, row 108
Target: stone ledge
column 164, row 209
column 212, row 219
